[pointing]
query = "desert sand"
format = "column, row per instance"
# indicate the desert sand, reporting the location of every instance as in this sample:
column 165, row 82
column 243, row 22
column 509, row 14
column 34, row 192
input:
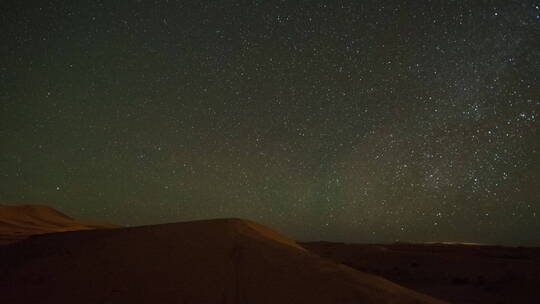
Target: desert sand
column 458, row 273
column 212, row 261
column 21, row 221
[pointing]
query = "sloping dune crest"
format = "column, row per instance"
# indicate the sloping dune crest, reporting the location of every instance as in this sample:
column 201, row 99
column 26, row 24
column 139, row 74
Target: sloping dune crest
column 212, row 261
column 21, row 221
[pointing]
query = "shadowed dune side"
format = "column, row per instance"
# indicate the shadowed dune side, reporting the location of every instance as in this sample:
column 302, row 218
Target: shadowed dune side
column 468, row 274
column 21, row 221
column 213, row 261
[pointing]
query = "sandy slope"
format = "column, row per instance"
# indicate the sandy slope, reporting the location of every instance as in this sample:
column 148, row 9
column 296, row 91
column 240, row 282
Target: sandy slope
column 21, row 221
column 468, row 274
column 214, row 261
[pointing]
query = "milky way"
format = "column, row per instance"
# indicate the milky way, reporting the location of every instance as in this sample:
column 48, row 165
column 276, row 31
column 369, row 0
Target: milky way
column 365, row 121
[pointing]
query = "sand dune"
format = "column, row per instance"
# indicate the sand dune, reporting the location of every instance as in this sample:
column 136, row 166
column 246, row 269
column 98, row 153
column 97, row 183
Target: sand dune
column 214, row 261
column 21, row 221
column 459, row 273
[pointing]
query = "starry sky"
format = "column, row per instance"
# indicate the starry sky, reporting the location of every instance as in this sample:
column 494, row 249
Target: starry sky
column 357, row 121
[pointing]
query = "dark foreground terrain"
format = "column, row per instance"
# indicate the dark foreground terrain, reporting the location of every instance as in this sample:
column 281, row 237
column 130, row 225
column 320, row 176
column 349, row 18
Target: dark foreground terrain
column 48, row 257
column 452, row 272
column 214, row 261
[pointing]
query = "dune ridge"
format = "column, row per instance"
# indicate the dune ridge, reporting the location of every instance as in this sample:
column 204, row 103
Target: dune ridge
column 209, row 261
column 18, row 222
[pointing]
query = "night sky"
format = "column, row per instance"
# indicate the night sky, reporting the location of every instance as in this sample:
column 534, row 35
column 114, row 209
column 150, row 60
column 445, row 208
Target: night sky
column 360, row 121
